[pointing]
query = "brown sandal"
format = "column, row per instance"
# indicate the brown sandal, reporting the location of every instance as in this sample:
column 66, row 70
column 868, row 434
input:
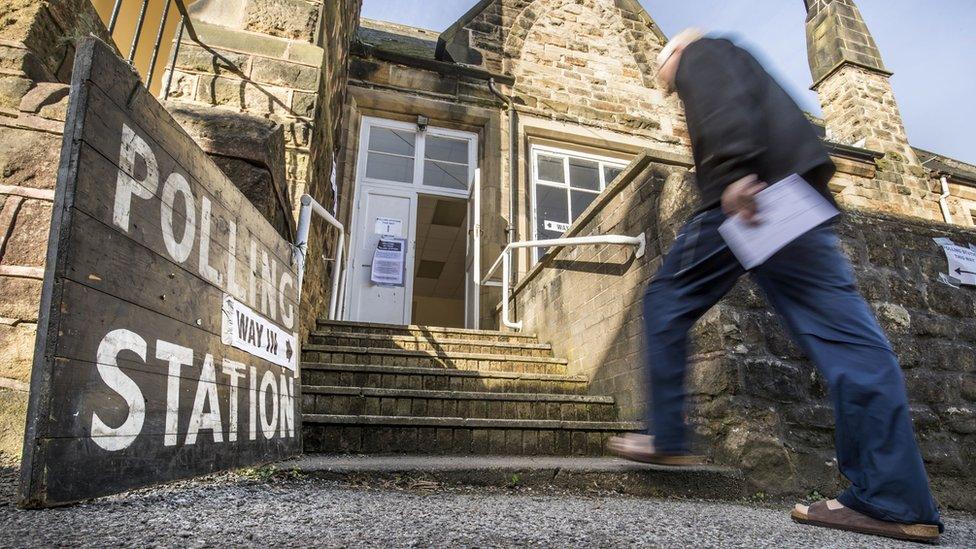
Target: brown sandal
column 640, row 448
column 833, row 514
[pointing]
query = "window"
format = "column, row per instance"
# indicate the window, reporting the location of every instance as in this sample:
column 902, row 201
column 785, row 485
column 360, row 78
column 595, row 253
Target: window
column 564, row 184
column 396, row 152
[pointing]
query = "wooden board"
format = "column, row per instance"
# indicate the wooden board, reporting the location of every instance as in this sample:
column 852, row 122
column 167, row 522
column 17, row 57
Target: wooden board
column 136, row 379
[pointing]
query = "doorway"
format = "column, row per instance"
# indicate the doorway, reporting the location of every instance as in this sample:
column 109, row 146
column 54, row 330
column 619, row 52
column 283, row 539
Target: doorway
column 415, row 188
column 439, row 264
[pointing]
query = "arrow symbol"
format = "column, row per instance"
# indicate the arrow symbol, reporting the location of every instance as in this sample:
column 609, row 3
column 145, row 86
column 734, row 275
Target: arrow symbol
column 959, row 270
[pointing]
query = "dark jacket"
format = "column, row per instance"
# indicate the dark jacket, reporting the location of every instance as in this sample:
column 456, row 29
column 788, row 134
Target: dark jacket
column 742, row 122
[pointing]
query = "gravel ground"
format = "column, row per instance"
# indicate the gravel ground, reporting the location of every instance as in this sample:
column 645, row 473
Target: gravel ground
column 255, row 510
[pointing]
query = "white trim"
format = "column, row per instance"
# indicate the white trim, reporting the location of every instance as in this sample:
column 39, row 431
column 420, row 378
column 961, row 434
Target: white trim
column 416, row 187
column 546, row 150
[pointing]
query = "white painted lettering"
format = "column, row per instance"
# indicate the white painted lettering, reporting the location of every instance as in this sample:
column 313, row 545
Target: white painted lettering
column 232, row 286
column 206, row 391
column 287, row 406
column 206, row 270
column 268, row 426
column 235, row 371
column 287, row 309
column 119, row 438
column 252, row 390
column 177, row 356
column 180, row 249
column 126, row 185
column 269, row 299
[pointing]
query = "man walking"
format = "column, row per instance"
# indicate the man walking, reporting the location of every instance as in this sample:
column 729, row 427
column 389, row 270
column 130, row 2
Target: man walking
column 745, row 131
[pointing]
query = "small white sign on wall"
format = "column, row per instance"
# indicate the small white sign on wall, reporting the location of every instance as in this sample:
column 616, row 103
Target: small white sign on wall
column 555, row 226
column 389, row 226
column 962, row 261
column 252, row 333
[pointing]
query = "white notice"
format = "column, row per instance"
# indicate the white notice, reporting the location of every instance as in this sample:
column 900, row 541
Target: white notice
column 787, row 209
column 256, row 335
column 389, row 226
column 962, row 263
column 388, row 261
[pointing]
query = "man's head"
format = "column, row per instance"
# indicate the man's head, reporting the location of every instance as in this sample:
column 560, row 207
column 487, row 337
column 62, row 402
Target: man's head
column 670, row 57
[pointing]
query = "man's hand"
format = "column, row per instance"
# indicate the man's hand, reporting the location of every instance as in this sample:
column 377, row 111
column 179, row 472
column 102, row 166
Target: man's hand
column 740, row 198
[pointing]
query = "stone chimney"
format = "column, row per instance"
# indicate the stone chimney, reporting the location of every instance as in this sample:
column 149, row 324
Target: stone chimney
column 852, row 82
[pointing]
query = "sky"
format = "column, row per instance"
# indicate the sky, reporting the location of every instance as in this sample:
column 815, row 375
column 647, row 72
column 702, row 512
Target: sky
column 929, row 45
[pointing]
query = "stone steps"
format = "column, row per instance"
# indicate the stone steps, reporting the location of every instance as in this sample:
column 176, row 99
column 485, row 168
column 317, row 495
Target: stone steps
column 371, row 388
column 417, row 343
column 540, row 473
column 440, row 379
column 424, row 331
column 474, row 404
column 456, row 435
column 433, row 359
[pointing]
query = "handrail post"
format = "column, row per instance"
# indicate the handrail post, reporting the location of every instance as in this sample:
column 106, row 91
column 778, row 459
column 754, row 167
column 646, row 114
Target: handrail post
column 506, row 270
column 309, row 206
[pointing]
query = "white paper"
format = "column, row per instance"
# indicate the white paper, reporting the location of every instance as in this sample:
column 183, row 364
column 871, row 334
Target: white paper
column 388, row 262
column 962, row 263
column 786, row 210
column 389, row 226
column 252, row 333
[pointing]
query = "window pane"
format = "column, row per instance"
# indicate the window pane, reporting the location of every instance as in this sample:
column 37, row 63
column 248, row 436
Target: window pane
column 442, row 174
column 584, row 174
column 610, row 173
column 552, row 213
column 581, row 199
column 551, row 205
column 444, row 148
column 389, row 168
column 391, row 141
column 551, row 169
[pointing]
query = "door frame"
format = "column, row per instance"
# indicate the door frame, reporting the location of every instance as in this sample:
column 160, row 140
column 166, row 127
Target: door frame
column 416, row 188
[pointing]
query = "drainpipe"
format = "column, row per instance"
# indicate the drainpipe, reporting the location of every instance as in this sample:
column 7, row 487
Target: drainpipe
column 512, row 157
column 943, row 203
column 512, row 169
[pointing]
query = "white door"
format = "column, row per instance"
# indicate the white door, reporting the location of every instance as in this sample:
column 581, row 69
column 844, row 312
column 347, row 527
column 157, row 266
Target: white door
column 381, row 211
column 472, row 261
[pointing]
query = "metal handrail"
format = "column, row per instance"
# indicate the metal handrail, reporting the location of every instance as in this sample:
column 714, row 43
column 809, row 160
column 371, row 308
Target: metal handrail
column 309, row 206
column 505, row 259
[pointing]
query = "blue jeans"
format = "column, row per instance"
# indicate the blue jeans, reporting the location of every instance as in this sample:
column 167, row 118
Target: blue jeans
column 811, row 285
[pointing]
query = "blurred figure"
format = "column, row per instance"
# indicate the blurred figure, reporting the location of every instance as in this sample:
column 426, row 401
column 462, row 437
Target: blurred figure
column 745, row 130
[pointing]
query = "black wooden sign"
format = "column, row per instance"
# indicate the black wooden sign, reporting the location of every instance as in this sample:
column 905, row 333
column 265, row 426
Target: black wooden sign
column 166, row 342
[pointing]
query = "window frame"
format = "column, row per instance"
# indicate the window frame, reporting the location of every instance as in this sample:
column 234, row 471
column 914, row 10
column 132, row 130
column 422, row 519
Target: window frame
column 419, row 157
column 537, row 150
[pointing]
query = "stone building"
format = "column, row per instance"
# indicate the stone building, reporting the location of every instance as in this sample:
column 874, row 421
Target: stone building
column 529, row 120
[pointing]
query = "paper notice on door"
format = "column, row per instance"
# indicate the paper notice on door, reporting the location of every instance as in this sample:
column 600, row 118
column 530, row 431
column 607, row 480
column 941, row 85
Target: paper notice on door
column 388, row 262
column 787, row 210
column 389, row 226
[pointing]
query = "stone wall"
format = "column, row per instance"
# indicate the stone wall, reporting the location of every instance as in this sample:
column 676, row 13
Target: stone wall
column 757, row 403
column 285, row 61
column 37, row 40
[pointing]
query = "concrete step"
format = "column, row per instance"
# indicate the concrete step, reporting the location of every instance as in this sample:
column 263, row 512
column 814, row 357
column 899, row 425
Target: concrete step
column 438, row 379
column 465, row 404
column 456, row 435
column 433, row 359
column 424, row 331
column 429, row 343
column 537, row 472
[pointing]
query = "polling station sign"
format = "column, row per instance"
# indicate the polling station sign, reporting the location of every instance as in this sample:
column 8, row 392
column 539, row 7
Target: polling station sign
column 134, row 380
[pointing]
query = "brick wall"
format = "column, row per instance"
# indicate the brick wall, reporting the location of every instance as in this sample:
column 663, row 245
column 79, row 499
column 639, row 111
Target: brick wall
column 757, row 403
